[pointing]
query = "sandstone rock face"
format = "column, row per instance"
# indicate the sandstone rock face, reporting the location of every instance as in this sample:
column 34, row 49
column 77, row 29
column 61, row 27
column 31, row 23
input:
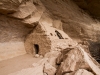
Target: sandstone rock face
column 57, row 24
column 49, row 69
column 57, row 13
column 80, row 72
column 90, row 61
column 76, row 23
column 9, row 6
column 76, row 61
column 24, row 10
column 90, row 6
column 72, row 61
column 19, row 25
column 52, row 57
column 14, row 30
column 83, row 72
column 12, row 35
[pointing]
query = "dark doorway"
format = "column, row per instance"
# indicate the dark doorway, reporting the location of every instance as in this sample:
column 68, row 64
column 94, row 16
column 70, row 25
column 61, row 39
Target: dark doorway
column 59, row 35
column 36, row 46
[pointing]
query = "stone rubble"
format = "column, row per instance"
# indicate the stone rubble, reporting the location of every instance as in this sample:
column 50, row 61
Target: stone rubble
column 80, row 72
column 70, row 61
column 49, row 69
column 36, row 55
column 83, row 72
column 52, row 56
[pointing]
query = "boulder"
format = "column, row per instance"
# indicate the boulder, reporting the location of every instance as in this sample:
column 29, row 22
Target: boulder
column 36, row 55
column 49, row 69
column 45, row 74
column 52, row 57
column 90, row 61
column 71, row 61
column 52, row 61
column 80, row 72
column 59, row 59
column 24, row 10
column 72, row 73
column 83, row 72
column 34, row 17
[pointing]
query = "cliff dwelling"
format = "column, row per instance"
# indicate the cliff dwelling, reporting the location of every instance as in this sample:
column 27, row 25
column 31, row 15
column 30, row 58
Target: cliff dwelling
column 49, row 37
column 46, row 38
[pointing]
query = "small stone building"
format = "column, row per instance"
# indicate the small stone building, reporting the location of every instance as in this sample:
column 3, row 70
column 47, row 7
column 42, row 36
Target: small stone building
column 45, row 38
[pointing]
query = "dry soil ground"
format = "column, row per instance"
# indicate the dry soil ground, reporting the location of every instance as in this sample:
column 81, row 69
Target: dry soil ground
column 16, row 64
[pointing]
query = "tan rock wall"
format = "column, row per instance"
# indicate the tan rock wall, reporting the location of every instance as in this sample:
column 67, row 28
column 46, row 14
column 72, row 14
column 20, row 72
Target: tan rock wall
column 76, row 22
column 90, row 6
column 12, row 36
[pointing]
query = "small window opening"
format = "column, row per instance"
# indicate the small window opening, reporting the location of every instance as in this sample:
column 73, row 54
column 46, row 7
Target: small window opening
column 36, row 46
column 59, row 35
column 51, row 34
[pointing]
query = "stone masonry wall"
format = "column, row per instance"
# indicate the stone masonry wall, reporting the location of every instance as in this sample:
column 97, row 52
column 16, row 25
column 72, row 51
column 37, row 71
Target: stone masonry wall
column 40, row 39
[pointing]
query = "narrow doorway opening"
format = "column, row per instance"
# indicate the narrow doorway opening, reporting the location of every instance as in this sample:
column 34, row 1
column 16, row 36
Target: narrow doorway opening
column 36, row 46
column 59, row 35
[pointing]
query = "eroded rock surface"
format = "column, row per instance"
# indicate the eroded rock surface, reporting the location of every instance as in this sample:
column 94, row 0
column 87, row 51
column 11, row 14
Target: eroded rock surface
column 90, row 6
column 21, row 16
column 80, row 72
column 12, row 36
column 34, row 22
column 76, row 61
column 71, row 61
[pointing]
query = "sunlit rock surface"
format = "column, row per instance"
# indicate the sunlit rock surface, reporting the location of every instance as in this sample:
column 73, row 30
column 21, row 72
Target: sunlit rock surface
column 70, row 18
